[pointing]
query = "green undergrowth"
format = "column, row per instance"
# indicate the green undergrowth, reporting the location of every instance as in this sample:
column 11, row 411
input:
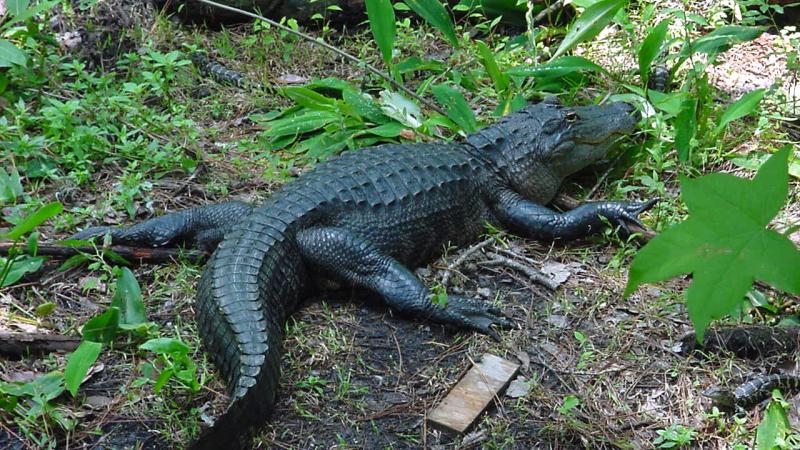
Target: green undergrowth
column 148, row 117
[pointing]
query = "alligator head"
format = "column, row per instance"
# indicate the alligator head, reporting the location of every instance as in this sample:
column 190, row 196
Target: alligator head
column 535, row 148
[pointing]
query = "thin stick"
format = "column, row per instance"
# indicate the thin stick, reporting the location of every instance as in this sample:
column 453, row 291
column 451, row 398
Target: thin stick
column 555, row 5
column 463, row 257
column 150, row 255
column 333, row 49
column 533, row 274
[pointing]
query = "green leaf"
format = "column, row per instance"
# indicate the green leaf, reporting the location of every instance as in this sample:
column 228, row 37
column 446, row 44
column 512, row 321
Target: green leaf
column 724, row 243
column 78, row 364
column 773, row 427
column 381, row 22
column 169, row 346
column 499, row 79
column 721, row 39
column 589, row 24
column 16, row 7
column 686, row 128
column 456, row 107
column 308, row 98
column 128, row 299
column 102, row 328
column 387, row 130
column 19, row 267
column 651, row 47
column 435, row 14
column 10, row 55
column 34, row 220
column 740, row 108
column 45, row 309
column 556, row 68
column 299, row 124
column 671, row 103
column 10, row 186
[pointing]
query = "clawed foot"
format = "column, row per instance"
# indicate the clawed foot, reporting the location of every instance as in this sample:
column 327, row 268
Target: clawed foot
column 627, row 214
column 477, row 315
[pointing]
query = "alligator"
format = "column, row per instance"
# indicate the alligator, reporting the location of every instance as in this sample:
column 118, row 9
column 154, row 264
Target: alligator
column 365, row 218
column 212, row 69
column 754, row 391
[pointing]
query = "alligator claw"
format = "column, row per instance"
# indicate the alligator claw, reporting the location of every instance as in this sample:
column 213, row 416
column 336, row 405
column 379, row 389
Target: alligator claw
column 630, row 212
column 477, row 315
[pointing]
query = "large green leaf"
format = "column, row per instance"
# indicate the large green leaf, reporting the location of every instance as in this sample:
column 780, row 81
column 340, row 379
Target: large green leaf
column 740, row 108
column 435, row 14
column 773, row 427
column 725, row 243
column 78, row 364
column 128, row 299
column 555, row 68
column 722, row 39
column 686, row 128
column 16, row 7
column 168, row 346
column 102, row 328
column 19, row 267
column 381, row 22
column 651, row 47
column 589, row 24
column 298, row 124
column 10, row 55
column 34, row 220
column 456, row 107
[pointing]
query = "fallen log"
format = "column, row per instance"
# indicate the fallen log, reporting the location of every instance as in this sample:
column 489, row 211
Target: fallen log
column 16, row 345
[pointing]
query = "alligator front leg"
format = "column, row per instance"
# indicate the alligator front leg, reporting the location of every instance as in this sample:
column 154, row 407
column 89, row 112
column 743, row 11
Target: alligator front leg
column 355, row 260
column 529, row 219
column 202, row 227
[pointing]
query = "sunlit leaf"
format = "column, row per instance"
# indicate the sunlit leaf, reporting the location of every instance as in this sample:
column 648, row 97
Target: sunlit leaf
column 651, row 47
column 740, row 108
column 34, row 220
column 128, row 299
column 589, row 24
column 381, row 22
column 435, row 14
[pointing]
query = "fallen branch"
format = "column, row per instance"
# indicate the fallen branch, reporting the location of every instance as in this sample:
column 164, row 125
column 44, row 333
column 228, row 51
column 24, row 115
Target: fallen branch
column 533, row 274
column 20, row 344
column 333, row 49
column 463, row 257
column 133, row 254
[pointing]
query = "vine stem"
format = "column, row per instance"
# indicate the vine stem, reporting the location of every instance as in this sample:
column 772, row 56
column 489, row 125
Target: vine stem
column 333, row 49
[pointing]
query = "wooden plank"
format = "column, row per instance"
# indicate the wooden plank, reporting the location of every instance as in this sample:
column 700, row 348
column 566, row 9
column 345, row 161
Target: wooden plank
column 473, row 394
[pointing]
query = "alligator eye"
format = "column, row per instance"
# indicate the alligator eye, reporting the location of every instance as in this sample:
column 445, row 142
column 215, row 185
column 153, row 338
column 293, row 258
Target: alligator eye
column 571, row 116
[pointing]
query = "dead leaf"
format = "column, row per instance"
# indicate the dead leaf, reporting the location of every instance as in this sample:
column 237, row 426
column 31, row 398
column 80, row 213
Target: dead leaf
column 557, row 272
column 519, row 387
column 290, row 78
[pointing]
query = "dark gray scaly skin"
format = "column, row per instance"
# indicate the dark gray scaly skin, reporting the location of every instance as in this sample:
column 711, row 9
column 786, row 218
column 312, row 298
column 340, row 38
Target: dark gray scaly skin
column 753, row 392
column 365, row 218
column 222, row 74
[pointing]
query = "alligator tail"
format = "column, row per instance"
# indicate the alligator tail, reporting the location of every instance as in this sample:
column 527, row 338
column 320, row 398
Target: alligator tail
column 248, row 288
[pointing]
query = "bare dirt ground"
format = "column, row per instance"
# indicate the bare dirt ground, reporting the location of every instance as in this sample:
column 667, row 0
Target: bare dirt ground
column 357, row 376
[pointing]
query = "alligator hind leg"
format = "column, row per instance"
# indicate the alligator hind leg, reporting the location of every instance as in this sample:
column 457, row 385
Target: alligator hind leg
column 357, row 261
column 202, row 227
